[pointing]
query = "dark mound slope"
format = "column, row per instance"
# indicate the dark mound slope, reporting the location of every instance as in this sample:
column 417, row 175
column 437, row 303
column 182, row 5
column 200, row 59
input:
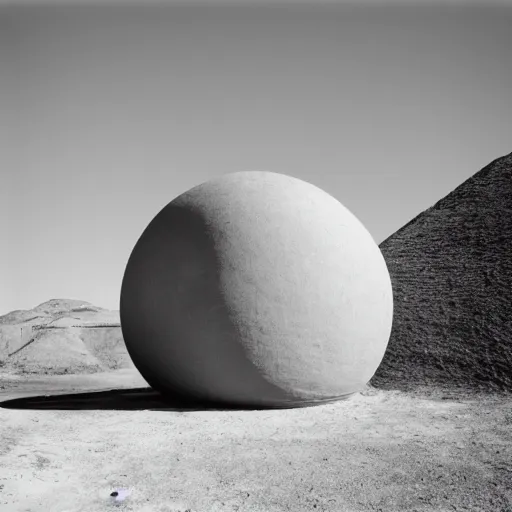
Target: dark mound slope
column 451, row 270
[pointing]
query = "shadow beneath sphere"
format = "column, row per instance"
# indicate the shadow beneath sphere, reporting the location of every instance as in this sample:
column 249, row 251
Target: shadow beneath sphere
column 135, row 399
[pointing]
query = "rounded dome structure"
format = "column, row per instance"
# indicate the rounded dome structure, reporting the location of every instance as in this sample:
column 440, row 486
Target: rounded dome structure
column 256, row 289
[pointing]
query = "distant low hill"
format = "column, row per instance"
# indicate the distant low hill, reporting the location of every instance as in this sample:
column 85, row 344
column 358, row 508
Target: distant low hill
column 62, row 336
column 451, row 271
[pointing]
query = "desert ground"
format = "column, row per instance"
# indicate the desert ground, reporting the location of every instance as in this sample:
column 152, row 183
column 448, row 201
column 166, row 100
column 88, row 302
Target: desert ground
column 431, row 449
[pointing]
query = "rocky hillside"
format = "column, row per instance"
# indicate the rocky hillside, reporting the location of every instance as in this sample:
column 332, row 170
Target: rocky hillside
column 451, row 270
column 62, row 336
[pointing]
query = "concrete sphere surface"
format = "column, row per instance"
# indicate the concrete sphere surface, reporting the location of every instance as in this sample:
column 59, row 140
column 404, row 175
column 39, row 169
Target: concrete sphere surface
column 256, row 289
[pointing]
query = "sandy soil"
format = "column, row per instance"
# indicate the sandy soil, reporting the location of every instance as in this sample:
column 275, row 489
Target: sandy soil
column 381, row 450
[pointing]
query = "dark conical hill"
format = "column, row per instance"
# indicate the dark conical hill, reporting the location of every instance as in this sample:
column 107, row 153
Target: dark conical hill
column 451, row 270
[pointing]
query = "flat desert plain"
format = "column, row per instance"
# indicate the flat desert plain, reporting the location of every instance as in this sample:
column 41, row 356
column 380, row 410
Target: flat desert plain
column 431, row 449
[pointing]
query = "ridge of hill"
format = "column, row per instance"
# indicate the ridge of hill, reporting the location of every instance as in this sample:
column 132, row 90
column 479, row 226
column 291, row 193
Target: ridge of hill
column 49, row 310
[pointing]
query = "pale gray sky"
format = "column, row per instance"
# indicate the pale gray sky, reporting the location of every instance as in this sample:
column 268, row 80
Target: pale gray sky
column 108, row 113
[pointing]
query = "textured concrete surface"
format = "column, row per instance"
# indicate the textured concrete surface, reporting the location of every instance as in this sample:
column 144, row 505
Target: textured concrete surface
column 256, row 288
column 451, row 269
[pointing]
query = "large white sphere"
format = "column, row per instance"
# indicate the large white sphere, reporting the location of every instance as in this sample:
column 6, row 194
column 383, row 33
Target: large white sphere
column 256, row 289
